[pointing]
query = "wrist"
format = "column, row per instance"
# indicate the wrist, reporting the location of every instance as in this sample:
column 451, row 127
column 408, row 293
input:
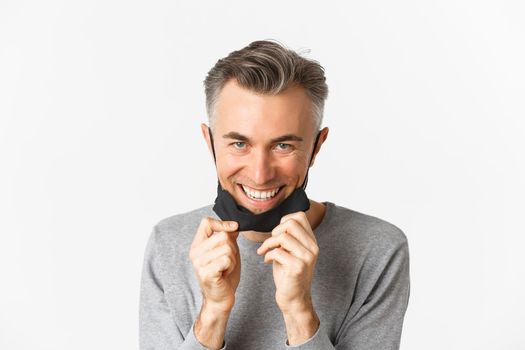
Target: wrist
column 223, row 307
column 210, row 326
column 299, row 306
column 301, row 325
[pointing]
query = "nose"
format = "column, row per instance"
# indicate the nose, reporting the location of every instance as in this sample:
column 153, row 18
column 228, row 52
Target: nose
column 261, row 169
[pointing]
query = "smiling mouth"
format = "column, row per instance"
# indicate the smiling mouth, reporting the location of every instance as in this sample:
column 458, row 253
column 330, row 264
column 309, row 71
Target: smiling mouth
column 260, row 195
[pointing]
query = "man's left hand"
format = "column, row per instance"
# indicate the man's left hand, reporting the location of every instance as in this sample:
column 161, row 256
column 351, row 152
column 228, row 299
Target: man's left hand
column 293, row 250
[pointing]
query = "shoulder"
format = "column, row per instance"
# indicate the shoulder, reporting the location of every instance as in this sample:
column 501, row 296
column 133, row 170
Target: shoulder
column 366, row 232
column 369, row 248
column 176, row 232
column 190, row 218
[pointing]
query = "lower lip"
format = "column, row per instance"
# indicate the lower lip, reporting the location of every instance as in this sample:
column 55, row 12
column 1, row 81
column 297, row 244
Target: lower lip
column 261, row 204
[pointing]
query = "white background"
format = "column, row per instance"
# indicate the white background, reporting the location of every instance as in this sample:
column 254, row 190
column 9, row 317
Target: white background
column 100, row 105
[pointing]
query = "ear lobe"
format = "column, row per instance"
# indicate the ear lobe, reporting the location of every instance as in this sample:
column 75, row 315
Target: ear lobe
column 206, row 135
column 322, row 139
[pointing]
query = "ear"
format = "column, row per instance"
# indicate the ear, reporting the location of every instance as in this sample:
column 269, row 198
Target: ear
column 322, row 139
column 206, row 134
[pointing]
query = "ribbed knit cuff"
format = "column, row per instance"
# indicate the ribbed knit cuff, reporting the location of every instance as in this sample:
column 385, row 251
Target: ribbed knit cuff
column 319, row 341
column 191, row 342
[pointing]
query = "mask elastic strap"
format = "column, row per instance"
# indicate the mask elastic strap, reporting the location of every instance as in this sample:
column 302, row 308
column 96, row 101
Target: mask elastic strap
column 212, row 147
column 305, row 182
column 213, row 150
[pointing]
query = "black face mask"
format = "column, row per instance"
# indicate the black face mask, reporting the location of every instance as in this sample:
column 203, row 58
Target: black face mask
column 228, row 210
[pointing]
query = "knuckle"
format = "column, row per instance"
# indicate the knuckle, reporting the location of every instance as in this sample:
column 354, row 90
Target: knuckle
column 225, row 249
column 209, row 221
column 309, row 258
column 227, row 260
column 203, row 225
column 194, row 257
column 286, row 218
column 230, row 249
column 201, row 273
column 296, row 216
column 290, row 224
column 197, row 262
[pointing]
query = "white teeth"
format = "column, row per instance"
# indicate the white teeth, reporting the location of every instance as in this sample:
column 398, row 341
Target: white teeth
column 258, row 194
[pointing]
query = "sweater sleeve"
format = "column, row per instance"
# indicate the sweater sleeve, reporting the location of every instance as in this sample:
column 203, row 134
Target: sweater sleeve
column 157, row 328
column 378, row 322
column 319, row 341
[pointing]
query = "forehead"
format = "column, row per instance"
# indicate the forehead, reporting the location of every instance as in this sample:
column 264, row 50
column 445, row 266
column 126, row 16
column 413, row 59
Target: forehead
column 239, row 109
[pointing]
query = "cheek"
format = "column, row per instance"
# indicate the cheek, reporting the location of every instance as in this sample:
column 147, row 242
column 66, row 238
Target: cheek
column 292, row 167
column 227, row 166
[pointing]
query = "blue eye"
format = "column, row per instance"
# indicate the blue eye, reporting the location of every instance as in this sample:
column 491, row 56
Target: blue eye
column 283, row 146
column 239, row 145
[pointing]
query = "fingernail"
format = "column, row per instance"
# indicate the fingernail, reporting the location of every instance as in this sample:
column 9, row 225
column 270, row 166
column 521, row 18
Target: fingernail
column 232, row 224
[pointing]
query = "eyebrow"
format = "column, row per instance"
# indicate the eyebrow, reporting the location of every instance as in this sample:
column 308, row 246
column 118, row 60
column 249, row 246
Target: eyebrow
column 236, row 136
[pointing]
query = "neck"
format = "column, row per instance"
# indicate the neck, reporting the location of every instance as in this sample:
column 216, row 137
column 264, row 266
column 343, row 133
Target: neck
column 314, row 215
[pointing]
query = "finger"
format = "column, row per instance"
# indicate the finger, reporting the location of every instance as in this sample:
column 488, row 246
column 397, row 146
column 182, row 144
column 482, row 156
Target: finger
column 295, row 229
column 302, row 219
column 216, row 253
column 290, row 244
column 216, row 239
column 216, row 268
column 285, row 259
column 209, row 225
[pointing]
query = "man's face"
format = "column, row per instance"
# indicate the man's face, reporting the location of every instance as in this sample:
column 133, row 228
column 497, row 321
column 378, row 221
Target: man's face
column 263, row 144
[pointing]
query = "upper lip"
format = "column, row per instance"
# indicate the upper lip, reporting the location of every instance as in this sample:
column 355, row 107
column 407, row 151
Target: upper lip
column 261, row 190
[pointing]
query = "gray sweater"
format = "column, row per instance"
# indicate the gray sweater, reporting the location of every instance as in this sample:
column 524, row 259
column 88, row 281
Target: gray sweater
column 360, row 288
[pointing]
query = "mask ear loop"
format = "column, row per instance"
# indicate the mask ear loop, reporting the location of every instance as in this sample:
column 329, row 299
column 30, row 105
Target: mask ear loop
column 305, row 182
column 213, row 150
column 212, row 147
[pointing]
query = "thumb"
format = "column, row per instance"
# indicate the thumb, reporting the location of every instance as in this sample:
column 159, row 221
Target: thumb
column 230, row 225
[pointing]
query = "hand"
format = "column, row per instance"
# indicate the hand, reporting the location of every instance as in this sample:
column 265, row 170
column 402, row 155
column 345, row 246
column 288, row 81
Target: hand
column 293, row 250
column 215, row 257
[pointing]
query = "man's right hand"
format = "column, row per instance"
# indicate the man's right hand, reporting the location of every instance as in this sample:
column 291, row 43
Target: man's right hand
column 215, row 257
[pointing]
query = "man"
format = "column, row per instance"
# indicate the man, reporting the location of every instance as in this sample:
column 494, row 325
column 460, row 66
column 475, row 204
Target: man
column 266, row 267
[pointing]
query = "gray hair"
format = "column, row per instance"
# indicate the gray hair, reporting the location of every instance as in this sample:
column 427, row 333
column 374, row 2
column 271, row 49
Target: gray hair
column 267, row 67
